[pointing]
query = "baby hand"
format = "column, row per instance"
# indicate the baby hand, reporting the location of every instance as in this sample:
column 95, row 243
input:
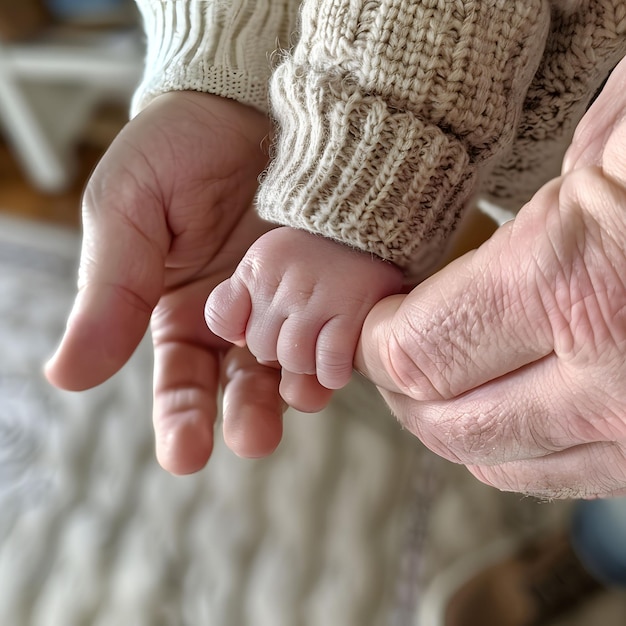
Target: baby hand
column 300, row 300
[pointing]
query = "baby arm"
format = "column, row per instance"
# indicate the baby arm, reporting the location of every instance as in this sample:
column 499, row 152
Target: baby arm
column 301, row 299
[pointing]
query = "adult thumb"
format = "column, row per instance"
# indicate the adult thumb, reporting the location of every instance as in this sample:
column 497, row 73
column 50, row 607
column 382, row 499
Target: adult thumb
column 120, row 277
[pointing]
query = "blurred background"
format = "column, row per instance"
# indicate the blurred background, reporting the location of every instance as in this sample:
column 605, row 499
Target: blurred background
column 67, row 69
column 347, row 524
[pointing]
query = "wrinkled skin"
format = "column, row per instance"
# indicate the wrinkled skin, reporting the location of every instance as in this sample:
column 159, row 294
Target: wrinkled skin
column 512, row 359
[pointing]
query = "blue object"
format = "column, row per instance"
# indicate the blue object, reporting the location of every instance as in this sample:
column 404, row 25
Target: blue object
column 598, row 536
column 77, row 9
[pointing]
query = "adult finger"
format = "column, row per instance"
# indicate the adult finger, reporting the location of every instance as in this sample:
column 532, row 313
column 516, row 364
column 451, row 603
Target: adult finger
column 303, row 392
column 553, row 470
column 613, row 161
column 586, row 471
column 186, row 380
column 545, row 407
column 120, row 275
column 188, row 373
column 549, row 430
column 184, row 410
column 186, row 383
column 252, row 406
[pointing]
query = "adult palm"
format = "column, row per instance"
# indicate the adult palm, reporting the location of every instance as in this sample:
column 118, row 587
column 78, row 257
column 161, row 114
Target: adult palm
column 166, row 216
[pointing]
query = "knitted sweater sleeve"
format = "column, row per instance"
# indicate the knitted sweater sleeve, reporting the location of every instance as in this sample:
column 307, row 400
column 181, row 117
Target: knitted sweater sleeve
column 586, row 41
column 214, row 46
column 387, row 109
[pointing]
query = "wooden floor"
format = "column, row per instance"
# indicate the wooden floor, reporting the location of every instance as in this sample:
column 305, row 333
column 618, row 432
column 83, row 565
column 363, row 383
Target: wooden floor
column 19, row 197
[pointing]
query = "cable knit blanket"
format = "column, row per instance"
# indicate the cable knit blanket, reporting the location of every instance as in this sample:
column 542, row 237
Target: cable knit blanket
column 340, row 527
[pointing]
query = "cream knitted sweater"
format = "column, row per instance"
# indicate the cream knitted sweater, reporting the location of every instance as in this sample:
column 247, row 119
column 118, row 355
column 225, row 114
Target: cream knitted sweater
column 390, row 114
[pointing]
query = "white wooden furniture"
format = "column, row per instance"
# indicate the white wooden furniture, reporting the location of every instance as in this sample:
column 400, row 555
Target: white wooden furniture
column 50, row 86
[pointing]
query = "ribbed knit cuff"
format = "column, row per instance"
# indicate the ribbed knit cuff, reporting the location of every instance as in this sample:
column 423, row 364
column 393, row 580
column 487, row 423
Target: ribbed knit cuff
column 586, row 41
column 372, row 168
column 212, row 46
column 387, row 111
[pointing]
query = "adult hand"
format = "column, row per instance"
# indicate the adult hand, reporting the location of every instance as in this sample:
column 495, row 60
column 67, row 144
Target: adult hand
column 166, row 217
column 512, row 359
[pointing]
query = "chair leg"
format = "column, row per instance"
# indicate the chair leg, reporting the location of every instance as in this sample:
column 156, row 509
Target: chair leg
column 47, row 163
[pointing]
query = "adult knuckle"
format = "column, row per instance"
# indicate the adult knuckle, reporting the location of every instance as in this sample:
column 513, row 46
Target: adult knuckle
column 477, row 436
column 424, row 357
column 408, row 364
